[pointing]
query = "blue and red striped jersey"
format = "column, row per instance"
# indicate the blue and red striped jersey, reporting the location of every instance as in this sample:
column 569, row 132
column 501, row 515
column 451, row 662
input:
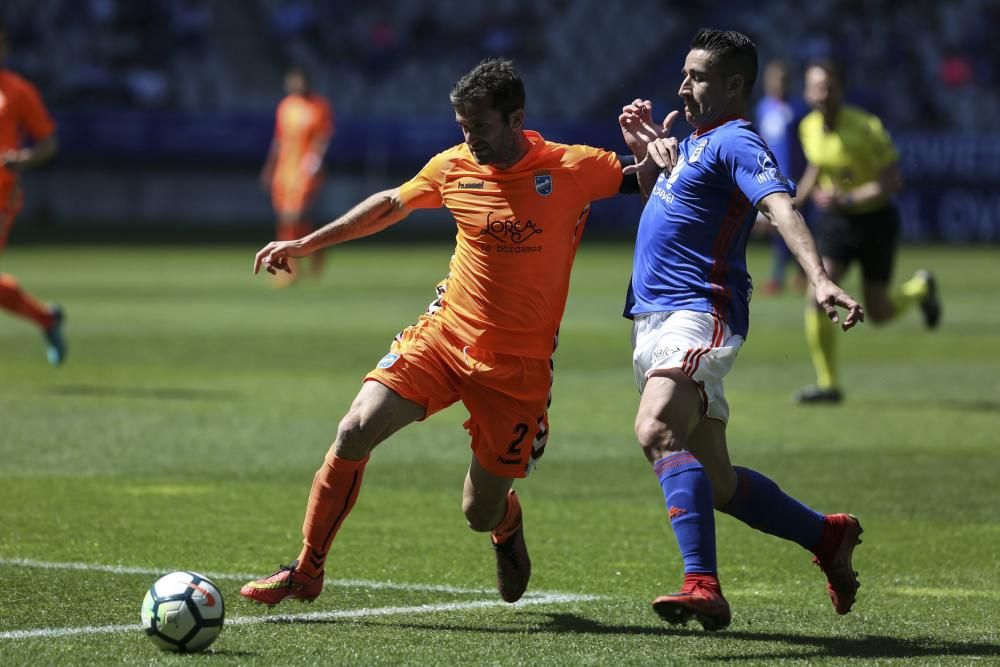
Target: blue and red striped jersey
column 690, row 251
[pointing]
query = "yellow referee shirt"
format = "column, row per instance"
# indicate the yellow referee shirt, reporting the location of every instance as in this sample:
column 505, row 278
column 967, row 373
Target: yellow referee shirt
column 855, row 151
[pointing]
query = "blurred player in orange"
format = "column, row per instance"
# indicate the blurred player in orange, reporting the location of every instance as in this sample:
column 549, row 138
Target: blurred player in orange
column 294, row 168
column 519, row 203
column 23, row 115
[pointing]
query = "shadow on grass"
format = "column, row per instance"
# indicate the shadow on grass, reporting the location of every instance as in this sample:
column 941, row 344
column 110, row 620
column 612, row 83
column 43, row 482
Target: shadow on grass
column 157, row 393
column 956, row 404
column 869, row 646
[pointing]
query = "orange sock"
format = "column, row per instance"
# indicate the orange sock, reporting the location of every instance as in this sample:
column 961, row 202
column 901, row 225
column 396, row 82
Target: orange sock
column 510, row 522
column 17, row 301
column 334, row 491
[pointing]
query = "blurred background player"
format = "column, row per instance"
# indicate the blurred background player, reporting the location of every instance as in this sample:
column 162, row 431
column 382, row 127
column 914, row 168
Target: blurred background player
column 23, row 114
column 852, row 175
column 777, row 119
column 294, row 169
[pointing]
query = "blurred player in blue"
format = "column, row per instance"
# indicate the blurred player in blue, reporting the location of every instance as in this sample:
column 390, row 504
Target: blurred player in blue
column 689, row 300
column 777, row 119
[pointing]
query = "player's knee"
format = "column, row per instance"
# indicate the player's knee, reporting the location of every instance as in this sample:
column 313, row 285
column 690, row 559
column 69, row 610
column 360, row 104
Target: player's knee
column 656, row 438
column 354, row 441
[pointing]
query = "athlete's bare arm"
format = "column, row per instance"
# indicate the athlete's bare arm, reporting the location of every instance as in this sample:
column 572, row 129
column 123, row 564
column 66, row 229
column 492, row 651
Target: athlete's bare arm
column 372, row 215
column 888, row 183
column 31, row 156
column 780, row 210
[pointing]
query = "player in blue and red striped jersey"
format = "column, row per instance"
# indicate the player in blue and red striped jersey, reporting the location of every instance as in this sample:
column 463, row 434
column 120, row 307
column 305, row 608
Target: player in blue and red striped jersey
column 689, row 299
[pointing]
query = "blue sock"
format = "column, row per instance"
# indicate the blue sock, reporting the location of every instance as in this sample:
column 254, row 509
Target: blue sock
column 759, row 503
column 689, row 502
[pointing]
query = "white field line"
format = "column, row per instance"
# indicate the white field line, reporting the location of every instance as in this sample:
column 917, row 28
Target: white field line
column 52, row 633
column 534, row 598
column 238, row 576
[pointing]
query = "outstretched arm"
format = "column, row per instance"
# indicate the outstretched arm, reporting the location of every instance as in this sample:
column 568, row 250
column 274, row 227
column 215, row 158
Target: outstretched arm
column 380, row 210
column 779, row 209
column 31, row 156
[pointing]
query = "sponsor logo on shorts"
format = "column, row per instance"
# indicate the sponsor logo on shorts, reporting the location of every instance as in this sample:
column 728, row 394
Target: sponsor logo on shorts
column 663, row 352
column 470, row 185
column 388, row 360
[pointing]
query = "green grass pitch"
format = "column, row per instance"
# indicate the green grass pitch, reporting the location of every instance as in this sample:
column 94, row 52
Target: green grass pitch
column 197, row 402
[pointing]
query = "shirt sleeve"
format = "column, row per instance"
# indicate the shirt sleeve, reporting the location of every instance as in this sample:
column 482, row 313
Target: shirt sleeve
column 424, row 189
column 599, row 172
column 752, row 166
column 881, row 144
column 35, row 118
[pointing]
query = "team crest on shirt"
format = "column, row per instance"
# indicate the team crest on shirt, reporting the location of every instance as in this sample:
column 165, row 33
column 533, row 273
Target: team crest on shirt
column 698, row 150
column 388, row 360
column 543, row 184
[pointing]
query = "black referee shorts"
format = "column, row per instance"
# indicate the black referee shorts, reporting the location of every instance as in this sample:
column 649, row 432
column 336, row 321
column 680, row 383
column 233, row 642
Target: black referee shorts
column 871, row 238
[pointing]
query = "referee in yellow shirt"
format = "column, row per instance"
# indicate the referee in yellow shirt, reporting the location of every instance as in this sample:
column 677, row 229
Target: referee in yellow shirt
column 852, row 175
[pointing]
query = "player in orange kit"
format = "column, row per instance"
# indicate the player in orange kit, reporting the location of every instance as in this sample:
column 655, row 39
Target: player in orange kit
column 294, row 168
column 22, row 113
column 519, row 203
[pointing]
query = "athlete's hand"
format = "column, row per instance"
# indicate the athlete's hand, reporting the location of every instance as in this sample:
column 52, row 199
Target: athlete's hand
column 11, row 158
column 275, row 255
column 661, row 155
column 638, row 129
column 829, row 296
column 651, row 143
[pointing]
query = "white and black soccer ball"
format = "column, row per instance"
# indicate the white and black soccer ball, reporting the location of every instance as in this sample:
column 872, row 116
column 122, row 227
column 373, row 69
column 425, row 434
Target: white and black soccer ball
column 183, row 611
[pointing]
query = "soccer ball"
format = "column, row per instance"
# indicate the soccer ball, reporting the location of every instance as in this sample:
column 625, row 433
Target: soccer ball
column 183, row 611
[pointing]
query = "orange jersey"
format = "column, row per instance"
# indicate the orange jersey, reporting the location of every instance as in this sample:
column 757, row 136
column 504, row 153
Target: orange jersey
column 22, row 115
column 302, row 123
column 518, row 231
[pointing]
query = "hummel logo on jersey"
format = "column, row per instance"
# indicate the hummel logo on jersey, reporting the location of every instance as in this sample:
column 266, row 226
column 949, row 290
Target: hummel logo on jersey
column 675, row 512
column 509, row 230
column 470, row 185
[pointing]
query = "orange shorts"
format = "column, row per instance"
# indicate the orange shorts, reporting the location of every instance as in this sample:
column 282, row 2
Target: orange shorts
column 507, row 397
column 293, row 194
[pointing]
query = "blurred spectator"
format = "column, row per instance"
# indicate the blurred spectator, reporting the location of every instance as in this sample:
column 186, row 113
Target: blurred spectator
column 193, row 54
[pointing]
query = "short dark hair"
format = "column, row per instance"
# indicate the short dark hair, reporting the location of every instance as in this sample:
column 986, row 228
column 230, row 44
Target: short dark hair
column 494, row 79
column 734, row 52
column 832, row 69
column 300, row 70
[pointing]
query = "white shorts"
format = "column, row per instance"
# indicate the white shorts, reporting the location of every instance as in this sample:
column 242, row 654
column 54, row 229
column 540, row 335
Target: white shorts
column 700, row 344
